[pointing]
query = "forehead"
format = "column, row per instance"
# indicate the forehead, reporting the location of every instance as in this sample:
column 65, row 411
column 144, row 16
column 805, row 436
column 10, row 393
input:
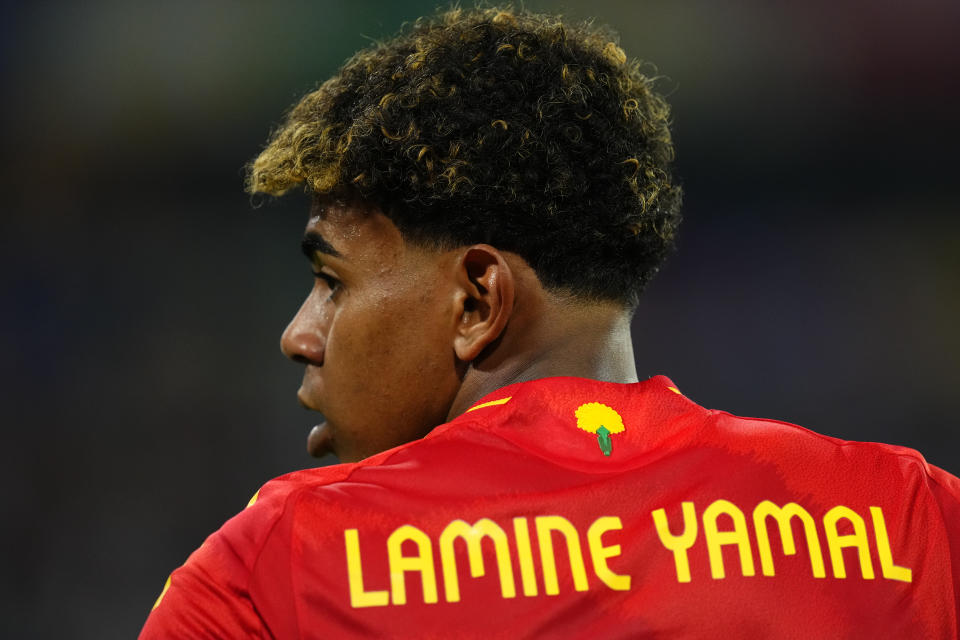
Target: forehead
column 356, row 231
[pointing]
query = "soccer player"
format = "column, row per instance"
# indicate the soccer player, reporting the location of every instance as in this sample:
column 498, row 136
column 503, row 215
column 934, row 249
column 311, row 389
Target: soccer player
column 491, row 192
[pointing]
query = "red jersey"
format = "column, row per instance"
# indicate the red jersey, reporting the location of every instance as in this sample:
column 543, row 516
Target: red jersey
column 566, row 507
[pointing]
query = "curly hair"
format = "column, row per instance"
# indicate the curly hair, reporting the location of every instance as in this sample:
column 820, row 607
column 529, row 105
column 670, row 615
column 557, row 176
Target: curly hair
column 497, row 126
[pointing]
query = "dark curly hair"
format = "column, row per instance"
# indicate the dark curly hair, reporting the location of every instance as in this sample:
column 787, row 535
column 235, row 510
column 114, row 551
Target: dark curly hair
column 497, row 126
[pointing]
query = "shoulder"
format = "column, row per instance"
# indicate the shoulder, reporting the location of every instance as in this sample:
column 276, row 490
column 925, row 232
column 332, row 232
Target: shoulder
column 231, row 586
column 778, row 437
column 284, row 499
column 813, row 454
column 278, row 499
column 278, row 495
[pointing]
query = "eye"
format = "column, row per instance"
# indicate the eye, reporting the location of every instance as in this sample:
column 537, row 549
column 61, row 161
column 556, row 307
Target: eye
column 332, row 283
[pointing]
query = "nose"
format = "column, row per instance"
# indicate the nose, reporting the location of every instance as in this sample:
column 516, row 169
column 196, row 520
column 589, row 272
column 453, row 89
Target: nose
column 303, row 340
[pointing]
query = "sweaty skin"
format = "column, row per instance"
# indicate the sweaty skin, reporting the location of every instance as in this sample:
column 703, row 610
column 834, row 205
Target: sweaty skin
column 396, row 338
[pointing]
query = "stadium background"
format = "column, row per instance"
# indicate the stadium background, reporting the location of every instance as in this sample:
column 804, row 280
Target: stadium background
column 144, row 395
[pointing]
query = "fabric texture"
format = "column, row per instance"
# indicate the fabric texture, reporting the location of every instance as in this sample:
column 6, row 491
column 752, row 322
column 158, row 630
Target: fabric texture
column 566, row 507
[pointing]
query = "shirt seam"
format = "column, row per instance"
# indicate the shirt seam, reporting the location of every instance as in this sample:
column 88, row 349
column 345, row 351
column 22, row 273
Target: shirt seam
column 912, row 454
column 256, row 561
column 295, row 494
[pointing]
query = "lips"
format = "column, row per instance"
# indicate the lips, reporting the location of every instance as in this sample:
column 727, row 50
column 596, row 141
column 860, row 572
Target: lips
column 311, row 388
column 320, row 439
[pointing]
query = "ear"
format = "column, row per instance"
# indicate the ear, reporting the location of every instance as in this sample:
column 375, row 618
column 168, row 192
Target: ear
column 484, row 299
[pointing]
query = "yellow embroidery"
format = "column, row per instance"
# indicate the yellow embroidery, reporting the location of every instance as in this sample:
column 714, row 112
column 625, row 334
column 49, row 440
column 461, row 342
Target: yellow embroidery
column 253, row 499
column 593, row 415
column 598, row 418
column 489, row 404
column 675, row 390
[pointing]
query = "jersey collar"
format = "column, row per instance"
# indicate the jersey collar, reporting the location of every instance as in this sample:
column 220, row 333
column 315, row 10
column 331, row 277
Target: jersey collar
column 586, row 423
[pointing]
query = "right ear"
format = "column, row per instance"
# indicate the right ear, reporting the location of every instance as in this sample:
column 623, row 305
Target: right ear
column 484, row 299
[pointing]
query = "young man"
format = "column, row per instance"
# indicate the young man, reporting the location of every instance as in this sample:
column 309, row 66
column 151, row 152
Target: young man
column 492, row 190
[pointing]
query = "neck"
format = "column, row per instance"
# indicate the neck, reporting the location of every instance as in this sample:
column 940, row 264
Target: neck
column 555, row 339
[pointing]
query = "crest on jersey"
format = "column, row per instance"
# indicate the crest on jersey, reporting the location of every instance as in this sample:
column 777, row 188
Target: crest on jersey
column 601, row 420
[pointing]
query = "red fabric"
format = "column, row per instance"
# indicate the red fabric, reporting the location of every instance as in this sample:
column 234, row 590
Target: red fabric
column 279, row 569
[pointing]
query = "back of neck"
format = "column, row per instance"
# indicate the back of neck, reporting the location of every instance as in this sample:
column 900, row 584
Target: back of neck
column 556, row 338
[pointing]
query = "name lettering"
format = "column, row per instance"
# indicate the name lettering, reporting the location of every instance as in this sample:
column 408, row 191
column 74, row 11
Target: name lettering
column 723, row 531
column 410, row 550
column 724, row 523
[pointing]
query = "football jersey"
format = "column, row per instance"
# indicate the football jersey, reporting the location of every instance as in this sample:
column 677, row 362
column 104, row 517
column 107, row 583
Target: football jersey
column 573, row 508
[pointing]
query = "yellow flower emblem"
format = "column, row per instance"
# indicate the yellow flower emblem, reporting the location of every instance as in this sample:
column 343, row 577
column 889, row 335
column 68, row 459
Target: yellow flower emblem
column 598, row 418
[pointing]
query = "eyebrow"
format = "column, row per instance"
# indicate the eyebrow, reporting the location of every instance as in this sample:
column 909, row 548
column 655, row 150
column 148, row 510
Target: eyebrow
column 313, row 242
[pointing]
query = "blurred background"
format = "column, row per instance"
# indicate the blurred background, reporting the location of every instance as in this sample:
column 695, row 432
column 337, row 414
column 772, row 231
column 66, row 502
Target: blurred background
column 144, row 394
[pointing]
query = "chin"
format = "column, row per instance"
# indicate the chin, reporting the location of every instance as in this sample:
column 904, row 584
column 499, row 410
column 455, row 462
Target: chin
column 320, row 440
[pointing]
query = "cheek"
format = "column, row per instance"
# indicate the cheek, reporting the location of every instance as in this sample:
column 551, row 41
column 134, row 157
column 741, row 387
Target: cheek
column 386, row 344
column 389, row 373
column 360, row 339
